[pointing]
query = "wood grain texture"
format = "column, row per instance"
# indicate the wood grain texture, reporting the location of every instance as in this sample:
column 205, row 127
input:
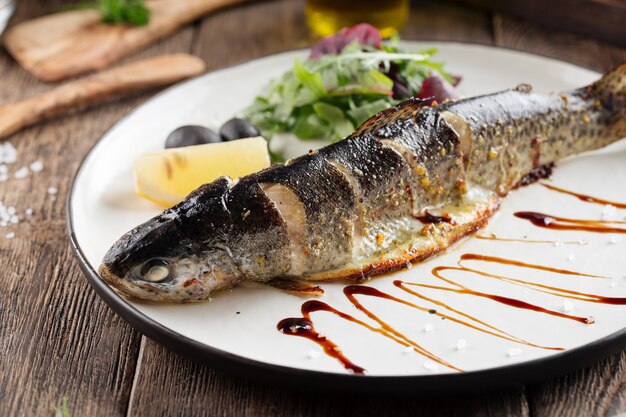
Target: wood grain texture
column 577, row 49
column 168, row 384
column 57, row 46
column 57, row 338
column 136, row 76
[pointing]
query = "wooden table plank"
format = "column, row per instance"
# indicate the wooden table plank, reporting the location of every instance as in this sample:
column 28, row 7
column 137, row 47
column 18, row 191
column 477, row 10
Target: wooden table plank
column 517, row 34
column 601, row 389
column 57, row 338
column 169, row 384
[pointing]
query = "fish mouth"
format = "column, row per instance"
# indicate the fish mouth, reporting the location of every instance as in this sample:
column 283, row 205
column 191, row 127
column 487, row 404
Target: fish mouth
column 116, row 282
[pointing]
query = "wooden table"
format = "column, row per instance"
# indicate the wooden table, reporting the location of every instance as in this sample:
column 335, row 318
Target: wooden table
column 57, row 338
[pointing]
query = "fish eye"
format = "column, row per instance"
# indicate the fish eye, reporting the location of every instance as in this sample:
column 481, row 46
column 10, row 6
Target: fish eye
column 155, row 270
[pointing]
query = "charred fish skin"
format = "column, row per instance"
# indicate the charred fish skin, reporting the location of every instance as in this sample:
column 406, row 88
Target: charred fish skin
column 353, row 209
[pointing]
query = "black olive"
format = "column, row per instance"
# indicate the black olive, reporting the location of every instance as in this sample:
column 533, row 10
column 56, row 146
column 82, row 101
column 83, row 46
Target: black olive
column 238, row 129
column 191, row 135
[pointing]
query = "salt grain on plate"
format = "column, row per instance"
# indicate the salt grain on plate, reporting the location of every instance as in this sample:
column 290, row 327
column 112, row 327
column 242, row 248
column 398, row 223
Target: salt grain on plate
column 514, row 352
column 3, row 169
column 613, row 284
column 558, row 243
column 408, row 349
column 36, row 166
column 28, row 211
column 609, row 212
column 567, row 306
column 431, row 366
column 314, row 354
column 429, row 328
column 4, row 223
column 10, row 235
column 615, row 240
column 571, row 257
column 14, row 219
column 21, row 173
column 461, row 344
column 11, row 210
column 583, row 242
column 52, row 190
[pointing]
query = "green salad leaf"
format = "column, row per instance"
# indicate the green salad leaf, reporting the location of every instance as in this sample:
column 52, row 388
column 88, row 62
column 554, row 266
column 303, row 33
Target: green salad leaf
column 329, row 97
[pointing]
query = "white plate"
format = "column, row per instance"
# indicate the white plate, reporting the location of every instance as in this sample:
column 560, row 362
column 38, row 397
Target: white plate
column 239, row 327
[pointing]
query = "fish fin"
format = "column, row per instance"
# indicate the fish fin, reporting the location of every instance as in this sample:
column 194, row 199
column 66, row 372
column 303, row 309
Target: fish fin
column 614, row 82
column 381, row 119
column 296, row 287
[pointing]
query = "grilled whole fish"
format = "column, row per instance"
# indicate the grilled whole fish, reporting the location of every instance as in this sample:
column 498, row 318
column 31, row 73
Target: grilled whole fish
column 407, row 184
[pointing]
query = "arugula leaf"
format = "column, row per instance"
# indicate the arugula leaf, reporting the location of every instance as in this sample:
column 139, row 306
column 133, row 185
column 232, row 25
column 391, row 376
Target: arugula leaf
column 335, row 118
column 361, row 113
column 313, row 82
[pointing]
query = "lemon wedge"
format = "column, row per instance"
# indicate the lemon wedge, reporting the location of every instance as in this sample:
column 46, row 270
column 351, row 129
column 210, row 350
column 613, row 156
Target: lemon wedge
column 166, row 177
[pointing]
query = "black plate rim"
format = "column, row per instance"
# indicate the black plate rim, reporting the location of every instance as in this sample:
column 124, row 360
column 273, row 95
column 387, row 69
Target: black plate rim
column 466, row 382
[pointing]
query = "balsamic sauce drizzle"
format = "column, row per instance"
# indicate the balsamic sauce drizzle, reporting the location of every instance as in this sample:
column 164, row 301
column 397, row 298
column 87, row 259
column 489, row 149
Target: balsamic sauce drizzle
column 303, row 326
column 584, row 197
column 561, row 223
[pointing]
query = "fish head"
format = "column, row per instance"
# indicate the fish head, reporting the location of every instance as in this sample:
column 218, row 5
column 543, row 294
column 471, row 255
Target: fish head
column 176, row 256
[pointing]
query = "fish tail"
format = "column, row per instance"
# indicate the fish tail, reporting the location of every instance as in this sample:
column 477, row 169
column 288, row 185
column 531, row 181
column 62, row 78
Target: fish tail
column 614, row 82
column 610, row 90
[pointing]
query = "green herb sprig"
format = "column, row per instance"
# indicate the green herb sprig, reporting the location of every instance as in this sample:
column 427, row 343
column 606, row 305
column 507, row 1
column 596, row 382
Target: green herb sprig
column 62, row 410
column 133, row 12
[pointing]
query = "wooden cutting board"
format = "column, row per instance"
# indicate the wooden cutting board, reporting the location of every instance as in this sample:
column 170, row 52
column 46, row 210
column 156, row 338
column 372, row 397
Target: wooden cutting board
column 136, row 76
column 66, row 44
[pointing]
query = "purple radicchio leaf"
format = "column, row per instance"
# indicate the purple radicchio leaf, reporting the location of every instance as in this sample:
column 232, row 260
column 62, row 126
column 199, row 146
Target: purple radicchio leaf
column 364, row 33
column 436, row 88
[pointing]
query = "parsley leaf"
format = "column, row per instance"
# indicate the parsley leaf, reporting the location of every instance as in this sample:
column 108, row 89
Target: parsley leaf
column 133, row 12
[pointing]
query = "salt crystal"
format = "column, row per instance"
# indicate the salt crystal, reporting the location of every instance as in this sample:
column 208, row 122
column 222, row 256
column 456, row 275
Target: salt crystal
column 616, row 240
column 461, row 344
column 52, row 190
column 4, row 223
column 558, row 243
column 8, row 154
column 571, row 257
column 431, row 366
column 429, row 328
column 613, row 284
column 583, row 242
column 314, row 354
column 10, row 235
column 3, row 177
column 11, row 210
column 567, row 306
column 14, row 219
column 36, row 166
column 408, row 349
column 21, row 173
column 609, row 212
column 28, row 211
column 3, row 169
column 514, row 352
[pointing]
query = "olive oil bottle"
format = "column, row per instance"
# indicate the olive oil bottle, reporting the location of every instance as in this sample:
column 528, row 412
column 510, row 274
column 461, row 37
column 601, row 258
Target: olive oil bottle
column 326, row 17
